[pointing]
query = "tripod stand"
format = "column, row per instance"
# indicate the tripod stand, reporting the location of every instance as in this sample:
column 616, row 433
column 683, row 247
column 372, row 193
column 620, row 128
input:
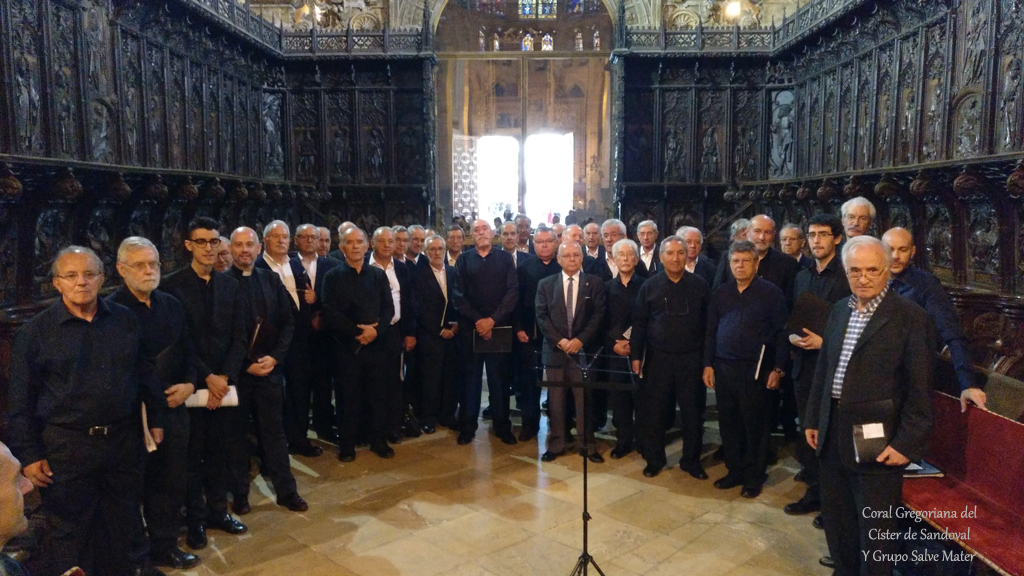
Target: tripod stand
column 580, row 363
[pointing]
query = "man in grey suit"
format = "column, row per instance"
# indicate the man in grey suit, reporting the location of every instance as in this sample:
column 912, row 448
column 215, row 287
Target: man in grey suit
column 570, row 309
column 873, row 379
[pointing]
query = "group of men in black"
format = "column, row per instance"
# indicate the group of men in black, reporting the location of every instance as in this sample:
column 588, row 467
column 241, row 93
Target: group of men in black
column 399, row 327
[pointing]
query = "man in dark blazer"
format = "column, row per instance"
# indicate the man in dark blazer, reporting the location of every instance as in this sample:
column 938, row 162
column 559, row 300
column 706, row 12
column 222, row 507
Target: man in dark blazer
column 215, row 311
column 697, row 263
column 270, row 325
column 620, row 294
column 570, row 312
column 825, row 280
column 437, row 325
column 873, row 379
column 612, row 230
column 592, row 245
column 310, row 349
column 647, row 236
column 792, row 242
column 338, row 254
column 357, row 309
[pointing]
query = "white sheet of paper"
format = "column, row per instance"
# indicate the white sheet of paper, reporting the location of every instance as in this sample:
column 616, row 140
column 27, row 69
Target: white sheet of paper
column 874, row 431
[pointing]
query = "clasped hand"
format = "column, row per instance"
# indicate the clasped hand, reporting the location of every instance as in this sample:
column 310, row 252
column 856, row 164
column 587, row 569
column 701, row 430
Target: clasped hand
column 369, row 333
column 570, row 346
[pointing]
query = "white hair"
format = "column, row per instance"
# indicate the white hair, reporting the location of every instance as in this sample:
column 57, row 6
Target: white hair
column 684, row 230
column 863, row 242
column 55, row 269
column 274, row 224
column 133, row 243
column 416, row 227
column 614, row 222
column 646, row 223
column 431, row 238
column 858, row 201
column 741, row 224
column 625, row 243
column 379, row 231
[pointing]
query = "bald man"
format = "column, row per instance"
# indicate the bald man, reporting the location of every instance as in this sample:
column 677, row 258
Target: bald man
column 925, row 289
column 77, row 375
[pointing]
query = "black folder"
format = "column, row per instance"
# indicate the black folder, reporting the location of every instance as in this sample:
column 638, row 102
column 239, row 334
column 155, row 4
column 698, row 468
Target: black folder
column 171, row 364
column 500, row 341
column 263, row 340
column 811, row 312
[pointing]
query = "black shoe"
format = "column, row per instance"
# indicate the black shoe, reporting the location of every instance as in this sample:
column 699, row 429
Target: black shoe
column 801, row 476
column 653, row 470
column 486, row 414
column 383, row 450
column 818, row 522
column 596, row 458
column 295, row 503
column 801, row 507
column 507, row 437
column 308, row 450
column 827, row 562
column 719, row 454
column 394, row 438
column 346, row 454
column 465, row 438
column 241, row 506
column 429, row 429
column 621, row 451
column 174, row 557
column 697, row 472
column 411, row 429
column 225, row 523
column 196, row 538
column 527, row 434
column 751, row 491
column 728, row 481
column 550, row 456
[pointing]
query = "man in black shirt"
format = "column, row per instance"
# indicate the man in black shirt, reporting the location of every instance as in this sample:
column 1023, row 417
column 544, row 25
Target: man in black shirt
column 621, row 293
column 358, row 308
column 215, row 312
column 270, row 325
column 486, row 298
column 744, row 354
column 773, row 265
column 77, row 375
column 166, row 339
column 665, row 347
column 826, row 280
column 530, row 272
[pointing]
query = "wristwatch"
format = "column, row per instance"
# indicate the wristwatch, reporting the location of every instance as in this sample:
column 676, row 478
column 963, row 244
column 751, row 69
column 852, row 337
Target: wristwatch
column 780, row 371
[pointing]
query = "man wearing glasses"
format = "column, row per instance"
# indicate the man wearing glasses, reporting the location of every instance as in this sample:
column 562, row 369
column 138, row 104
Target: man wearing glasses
column 870, row 412
column 665, row 348
column 215, row 308
column 165, row 337
column 77, row 373
column 858, row 216
column 827, row 281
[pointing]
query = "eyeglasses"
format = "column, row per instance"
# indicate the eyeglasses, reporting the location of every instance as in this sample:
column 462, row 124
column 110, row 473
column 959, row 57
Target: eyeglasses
column 142, row 266
column 813, row 235
column 852, row 218
column 203, row 242
column 73, row 277
column 306, row 237
column 869, row 273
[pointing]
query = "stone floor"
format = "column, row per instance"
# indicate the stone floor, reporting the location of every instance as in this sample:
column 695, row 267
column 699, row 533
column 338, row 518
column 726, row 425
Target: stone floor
column 491, row 509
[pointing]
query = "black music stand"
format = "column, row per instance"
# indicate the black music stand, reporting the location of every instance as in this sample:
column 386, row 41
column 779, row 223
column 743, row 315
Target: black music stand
column 586, row 382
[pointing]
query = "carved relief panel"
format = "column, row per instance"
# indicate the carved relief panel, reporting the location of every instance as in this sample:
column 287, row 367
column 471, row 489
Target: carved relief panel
column 227, row 124
column 101, row 108
column 865, row 111
column 939, row 240
column 935, row 94
column 242, row 129
column 409, row 136
column 885, row 108
column 782, row 132
column 305, row 135
column 746, row 122
column 272, row 135
column 155, row 91
column 830, row 113
column 908, row 101
column 27, row 80
column 814, row 127
column 638, row 137
column 212, row 122
column 983, row 243
column 1010, row 81
column 847, row 109
column 374, row 137
column 176, row 112
column 677, row 107
column 339, row 125
column 196, row 119
column 711, row 135
column 66, row 92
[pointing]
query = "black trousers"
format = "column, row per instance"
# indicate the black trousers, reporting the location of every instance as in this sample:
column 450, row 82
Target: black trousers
column 323, row 368
column 359, row 381
column 209, row 435
column 847, row 498
column 299, row 382
column 804, row 453
column 437, row 363
column 166, row 487
column 668, row 378
column 92, row 506
column 260, row 398
column 391, row 381
column 497, row 366
column 528, row 367
column 623, row 403
column 743, row 417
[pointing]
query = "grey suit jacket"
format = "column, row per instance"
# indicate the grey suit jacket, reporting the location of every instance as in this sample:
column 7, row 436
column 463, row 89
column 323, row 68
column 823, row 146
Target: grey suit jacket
column 552, row 320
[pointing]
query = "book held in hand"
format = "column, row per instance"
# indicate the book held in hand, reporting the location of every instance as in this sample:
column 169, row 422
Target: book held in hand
column 199, row 398
column 869, row 441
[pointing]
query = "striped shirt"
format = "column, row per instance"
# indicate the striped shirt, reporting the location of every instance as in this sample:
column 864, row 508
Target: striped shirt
column 858, row 321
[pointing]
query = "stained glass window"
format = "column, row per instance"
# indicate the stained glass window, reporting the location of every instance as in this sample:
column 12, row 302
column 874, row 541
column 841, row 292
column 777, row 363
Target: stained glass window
column 538, row 8
column 547, row 43
column 528, row 43
column 527, row 7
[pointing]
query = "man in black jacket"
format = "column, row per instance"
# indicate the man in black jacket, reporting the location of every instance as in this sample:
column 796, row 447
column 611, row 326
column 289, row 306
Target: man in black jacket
column 647, row 236
column 437, row 327
column 165, row 339
column 215, row 311
column 696, row 262
column 873, row 380
column 358, row 309
column 826, row 280
column 270, row 325
column 527, row 347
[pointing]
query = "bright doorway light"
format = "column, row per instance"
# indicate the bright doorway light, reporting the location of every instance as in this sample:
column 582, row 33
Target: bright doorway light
column 497, row 176
column 733, row 9
column 549, row 176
